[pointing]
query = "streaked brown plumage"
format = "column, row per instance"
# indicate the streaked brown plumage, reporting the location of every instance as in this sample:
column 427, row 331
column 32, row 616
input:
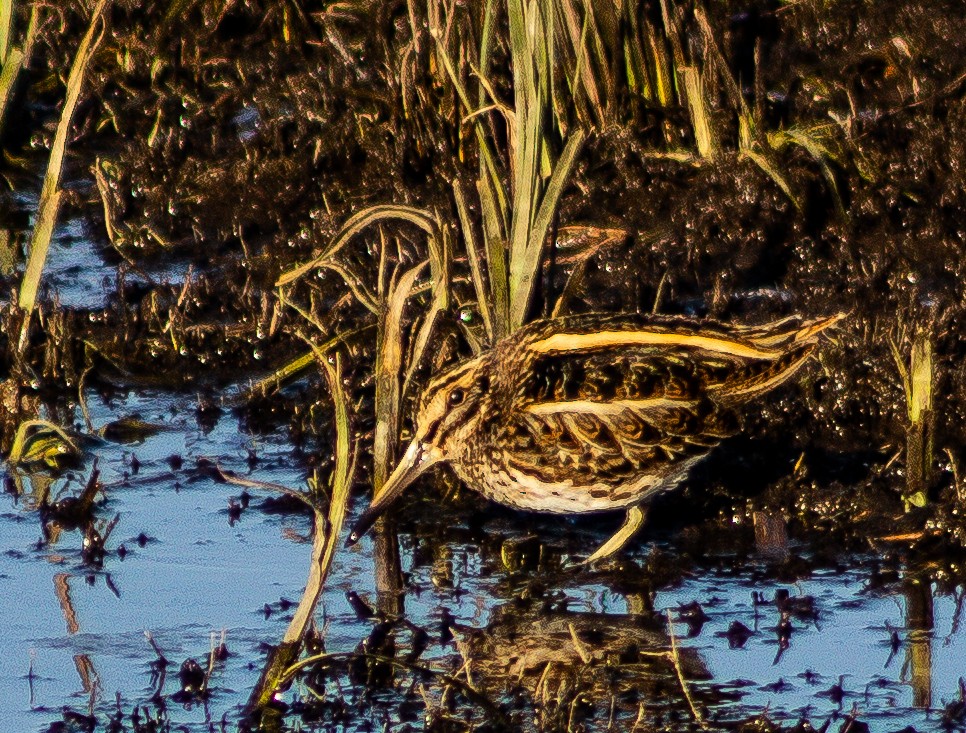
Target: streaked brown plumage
column 595, row 412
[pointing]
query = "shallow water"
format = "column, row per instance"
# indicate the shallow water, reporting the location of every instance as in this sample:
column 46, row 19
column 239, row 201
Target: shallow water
column 75, row 636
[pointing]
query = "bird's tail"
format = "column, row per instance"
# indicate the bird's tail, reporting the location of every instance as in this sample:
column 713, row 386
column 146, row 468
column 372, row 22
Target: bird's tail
column 794, row 337
column 790, row 332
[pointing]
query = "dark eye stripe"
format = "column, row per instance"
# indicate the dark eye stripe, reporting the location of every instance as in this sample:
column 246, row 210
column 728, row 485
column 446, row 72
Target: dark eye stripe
column 444, row 381
column 471, row 411
column 432, row 430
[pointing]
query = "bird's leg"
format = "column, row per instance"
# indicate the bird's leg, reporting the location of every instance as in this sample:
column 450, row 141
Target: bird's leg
column 632, row 523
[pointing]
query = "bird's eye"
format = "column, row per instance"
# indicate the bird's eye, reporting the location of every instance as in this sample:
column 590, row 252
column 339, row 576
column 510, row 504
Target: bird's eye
column 456, row 397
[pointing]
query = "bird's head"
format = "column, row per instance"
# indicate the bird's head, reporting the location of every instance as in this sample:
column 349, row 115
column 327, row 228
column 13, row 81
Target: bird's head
column 449, row 411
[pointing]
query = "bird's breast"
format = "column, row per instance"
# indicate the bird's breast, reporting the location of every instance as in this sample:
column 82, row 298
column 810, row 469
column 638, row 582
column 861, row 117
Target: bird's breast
column 581, row 493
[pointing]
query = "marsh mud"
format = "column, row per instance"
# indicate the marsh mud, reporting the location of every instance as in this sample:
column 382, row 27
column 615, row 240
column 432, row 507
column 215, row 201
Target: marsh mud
column 810, row 572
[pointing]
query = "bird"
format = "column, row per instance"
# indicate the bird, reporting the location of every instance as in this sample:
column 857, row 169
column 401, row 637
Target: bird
column 594, row 412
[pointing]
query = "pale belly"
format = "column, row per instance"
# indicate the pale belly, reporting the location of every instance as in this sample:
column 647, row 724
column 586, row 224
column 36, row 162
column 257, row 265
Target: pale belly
column 523, row 491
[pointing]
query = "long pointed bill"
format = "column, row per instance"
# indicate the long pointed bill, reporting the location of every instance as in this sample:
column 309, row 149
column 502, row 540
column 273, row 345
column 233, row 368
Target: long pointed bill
column 418, row 458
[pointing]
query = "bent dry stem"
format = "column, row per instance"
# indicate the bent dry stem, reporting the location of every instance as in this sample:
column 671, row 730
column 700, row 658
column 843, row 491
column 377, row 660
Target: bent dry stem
column 50, row 194
column 324, row 544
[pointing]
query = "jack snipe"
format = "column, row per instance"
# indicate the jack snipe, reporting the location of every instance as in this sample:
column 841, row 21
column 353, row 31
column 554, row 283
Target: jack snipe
column 594, row 413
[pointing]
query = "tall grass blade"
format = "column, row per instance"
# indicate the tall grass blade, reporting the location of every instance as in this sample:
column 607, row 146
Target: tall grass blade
column 487, row 42
column 324, row 542
column 635, row 57
column 476, row 258
column 918, row 383
column 724, row 73
column 670, row 15
column 496, row 258
column 31, row 36
column 601, row 22
column 920, row 379
column 344, row 462
column 439, row 258
column 6, row 29
column 660, row 68
column 389, row 359
column 704, row 136
column 529, row 264
column 8, row 253
column 50, row 193
column 821, row 155
column 13, row 62
column 529, row 145
column 585, row 78
column 527, row 132
column 488, row 157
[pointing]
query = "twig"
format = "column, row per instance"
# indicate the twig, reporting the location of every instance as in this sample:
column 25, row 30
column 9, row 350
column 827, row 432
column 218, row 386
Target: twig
column 676, row 661
column 233, row 478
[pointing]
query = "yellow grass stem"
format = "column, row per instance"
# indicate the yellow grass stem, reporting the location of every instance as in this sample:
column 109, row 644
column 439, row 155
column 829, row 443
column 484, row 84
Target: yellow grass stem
column 476, row 258
column 389, row 359
column 704, row 136
column 439, row 257
column 50, row 193
column 12, row 63
column 324, row 543
column 918, row 384
column 299, row 364
column 6, row 28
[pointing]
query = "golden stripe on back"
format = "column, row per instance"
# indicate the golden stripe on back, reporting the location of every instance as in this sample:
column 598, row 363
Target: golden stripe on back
column 562, row 342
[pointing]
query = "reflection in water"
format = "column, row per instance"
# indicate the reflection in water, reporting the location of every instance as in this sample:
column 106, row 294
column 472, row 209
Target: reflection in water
column 568, row 664
column 485, row 624
column 62, row 589
column 919, row 621
column 388, row 571
column 90, row 681
column 88, row 675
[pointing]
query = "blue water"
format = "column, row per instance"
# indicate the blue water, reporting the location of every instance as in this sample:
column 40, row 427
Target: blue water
column 82, row 631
